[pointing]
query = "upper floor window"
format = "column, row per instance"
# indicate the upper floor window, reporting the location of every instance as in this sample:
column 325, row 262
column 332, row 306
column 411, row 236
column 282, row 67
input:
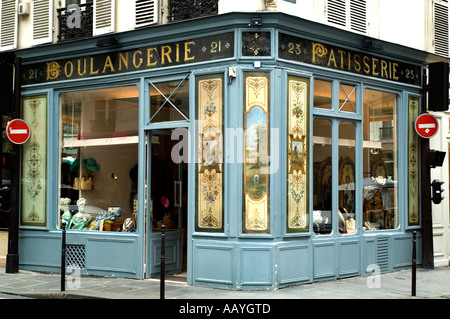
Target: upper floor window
column 348, row 14
column 183, row 10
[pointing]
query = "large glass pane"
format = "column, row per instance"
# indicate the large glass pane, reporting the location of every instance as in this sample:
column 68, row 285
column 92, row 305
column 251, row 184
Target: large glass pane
column 169, row 101
column 99, row 156
column 322, row 94
column 380, row 163
column 346, row 188
column 322, row 176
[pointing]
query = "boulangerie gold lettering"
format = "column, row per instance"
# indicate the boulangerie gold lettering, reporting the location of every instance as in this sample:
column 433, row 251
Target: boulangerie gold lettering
column 108, row 64
column 68, row 69
column 123, row 60
column 81, row 73
column 154, row 56
column 92, row 72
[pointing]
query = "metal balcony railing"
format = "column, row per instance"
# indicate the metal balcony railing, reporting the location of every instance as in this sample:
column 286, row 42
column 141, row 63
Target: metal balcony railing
column 184, row 10
column 67, row 31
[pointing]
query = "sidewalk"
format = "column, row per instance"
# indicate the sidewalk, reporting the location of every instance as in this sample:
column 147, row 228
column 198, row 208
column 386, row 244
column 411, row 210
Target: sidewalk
column 430, row 284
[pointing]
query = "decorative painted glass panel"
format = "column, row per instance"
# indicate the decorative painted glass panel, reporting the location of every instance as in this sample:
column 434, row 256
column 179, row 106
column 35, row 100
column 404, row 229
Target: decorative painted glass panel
column 298, row 166
column 256, row 159
column 210, row 153
column 413, row 163
column 34, row 163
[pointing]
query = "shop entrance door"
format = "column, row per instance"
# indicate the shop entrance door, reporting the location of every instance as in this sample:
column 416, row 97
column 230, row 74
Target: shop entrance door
column 167, row 176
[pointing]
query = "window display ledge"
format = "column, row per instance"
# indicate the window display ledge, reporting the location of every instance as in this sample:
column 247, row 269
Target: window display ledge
column 102, row 141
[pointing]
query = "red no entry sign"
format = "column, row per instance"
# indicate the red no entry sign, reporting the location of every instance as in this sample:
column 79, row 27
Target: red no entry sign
column 426, row 125
column 18, row 131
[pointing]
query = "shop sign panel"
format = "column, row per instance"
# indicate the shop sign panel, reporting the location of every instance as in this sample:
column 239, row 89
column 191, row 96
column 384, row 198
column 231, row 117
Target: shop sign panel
column 313, row 52
column 156, row 56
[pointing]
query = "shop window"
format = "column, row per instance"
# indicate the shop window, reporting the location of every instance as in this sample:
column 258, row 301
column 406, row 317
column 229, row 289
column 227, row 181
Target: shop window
column 256, row 159
column 322, row 186
column 98, row 161
column 380, row 161
column 322, row 94
column 346, row 178
column 169, row 101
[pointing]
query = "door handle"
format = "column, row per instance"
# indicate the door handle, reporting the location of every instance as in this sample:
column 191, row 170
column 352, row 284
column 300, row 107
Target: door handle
column 177, row 193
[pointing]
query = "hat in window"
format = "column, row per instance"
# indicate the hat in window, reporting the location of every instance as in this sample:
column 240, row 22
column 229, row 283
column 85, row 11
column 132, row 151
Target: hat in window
column 91, row 164
column 164, row 201
column 75, row 165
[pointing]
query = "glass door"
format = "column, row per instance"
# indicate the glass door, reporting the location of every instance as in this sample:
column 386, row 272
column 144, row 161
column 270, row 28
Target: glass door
column 167, row 176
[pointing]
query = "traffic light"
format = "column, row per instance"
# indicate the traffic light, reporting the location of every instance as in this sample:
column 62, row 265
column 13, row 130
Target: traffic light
column 435, row 158
column 438, row 86
column 4, row 199
column 7, row 69
column 437, row 191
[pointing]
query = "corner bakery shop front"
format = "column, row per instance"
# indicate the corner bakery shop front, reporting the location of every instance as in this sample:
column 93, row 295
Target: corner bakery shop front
column 273, row 155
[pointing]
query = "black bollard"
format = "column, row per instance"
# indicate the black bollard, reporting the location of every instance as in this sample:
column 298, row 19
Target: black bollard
column 63, row 258
column 413, row 277
column 163, row 261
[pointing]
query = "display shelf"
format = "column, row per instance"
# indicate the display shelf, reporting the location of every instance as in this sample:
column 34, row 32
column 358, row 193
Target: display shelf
column 102, row 141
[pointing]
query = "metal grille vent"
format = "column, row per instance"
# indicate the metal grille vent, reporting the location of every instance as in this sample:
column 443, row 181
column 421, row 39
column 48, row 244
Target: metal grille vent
column 76, row 256
column 383, row 254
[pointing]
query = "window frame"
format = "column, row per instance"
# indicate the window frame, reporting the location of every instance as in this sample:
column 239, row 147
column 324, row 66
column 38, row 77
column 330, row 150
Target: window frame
column 336, row 117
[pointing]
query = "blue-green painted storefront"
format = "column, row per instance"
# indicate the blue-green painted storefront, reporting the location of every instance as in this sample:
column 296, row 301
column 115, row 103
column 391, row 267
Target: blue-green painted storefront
column 231, row 256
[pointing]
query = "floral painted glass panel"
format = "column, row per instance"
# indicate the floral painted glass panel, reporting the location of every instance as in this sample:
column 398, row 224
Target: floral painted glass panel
column 34, row 163
column 297, row 169
column 210, row 153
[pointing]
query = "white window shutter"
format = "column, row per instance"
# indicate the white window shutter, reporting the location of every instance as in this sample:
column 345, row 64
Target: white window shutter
column 441, row 28
column 146, row 12
column 104, row 16
column 358, row 15
column 8, row 24
column 348, row 14
column 337, row 12
column 42, row 21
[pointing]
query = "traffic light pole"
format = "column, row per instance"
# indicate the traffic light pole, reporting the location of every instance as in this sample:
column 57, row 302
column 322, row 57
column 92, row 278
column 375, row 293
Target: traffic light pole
column 12, row 257
column 427, row 225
